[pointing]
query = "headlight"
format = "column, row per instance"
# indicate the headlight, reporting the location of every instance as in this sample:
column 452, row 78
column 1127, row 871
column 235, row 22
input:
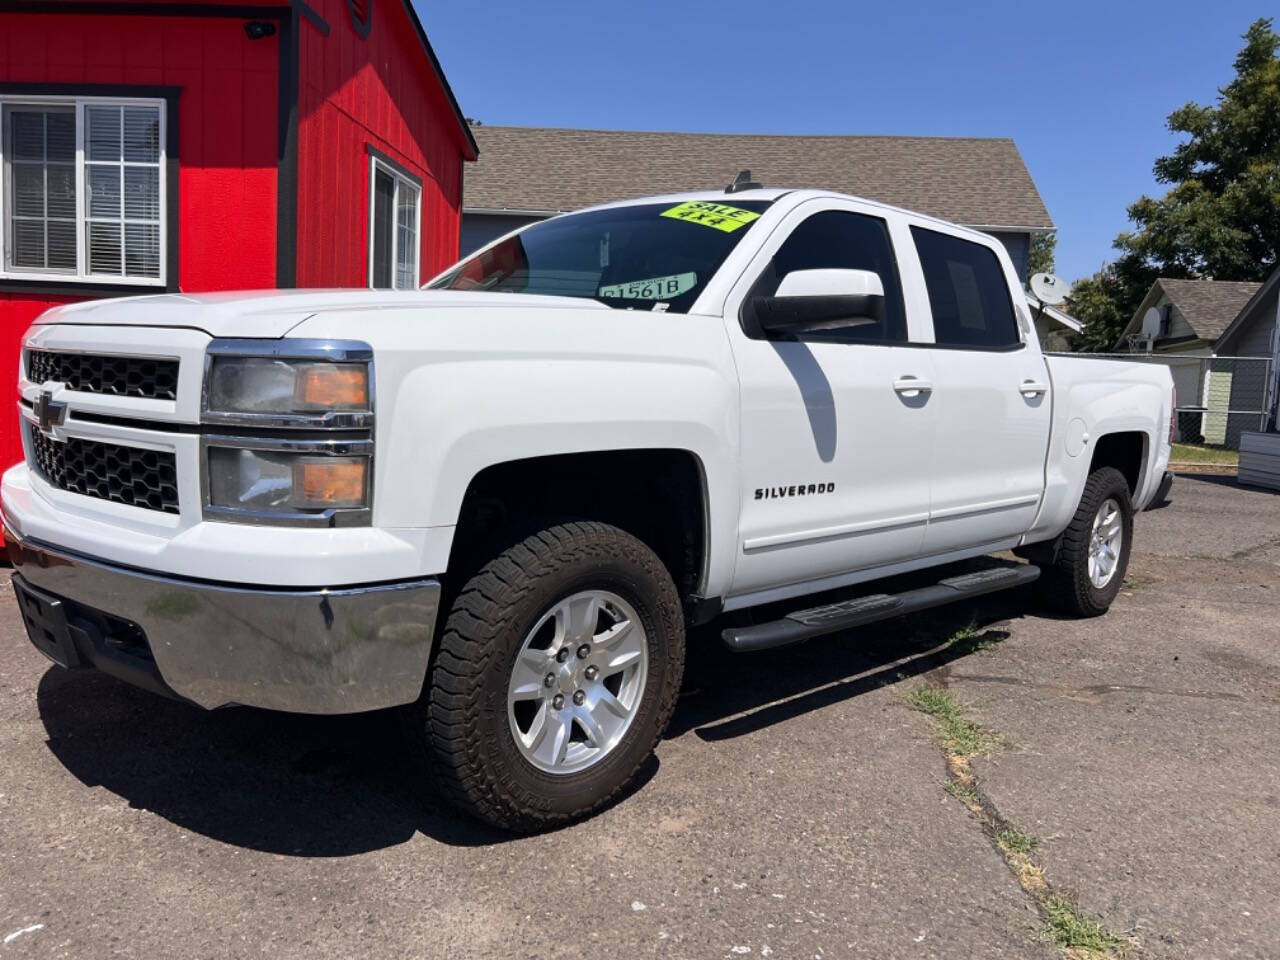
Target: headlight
column 269, row 482
column 263, row 385
column 257, row 467
column 289, row 383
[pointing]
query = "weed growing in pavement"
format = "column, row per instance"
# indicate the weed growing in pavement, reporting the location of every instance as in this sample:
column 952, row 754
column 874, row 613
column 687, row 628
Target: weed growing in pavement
column 1064, row 923
column 1077, row 935
column 1014, row 841
column 959, row 736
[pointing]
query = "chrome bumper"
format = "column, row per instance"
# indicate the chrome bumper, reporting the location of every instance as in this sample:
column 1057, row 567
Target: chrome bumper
column 342, row 650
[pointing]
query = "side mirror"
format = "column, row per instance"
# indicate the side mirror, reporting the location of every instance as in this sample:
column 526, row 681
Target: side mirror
column 809, row 301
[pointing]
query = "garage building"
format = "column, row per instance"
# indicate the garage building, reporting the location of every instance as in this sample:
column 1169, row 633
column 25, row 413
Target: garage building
column 153, row 147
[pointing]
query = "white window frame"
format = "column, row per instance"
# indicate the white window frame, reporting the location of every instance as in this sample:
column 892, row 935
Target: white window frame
column 82, row 275
column 398, row 176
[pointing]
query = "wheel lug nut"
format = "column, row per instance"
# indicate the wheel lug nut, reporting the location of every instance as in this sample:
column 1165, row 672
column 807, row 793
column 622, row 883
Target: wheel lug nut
column 557, row 701
column 579, row 697
column 592, row 672
column 562, row 655
column 584, row 651
column 549, row 680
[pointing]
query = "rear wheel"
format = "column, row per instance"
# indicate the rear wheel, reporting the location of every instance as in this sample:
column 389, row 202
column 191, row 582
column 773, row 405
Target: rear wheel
column 556, row 675
column 1092, row 554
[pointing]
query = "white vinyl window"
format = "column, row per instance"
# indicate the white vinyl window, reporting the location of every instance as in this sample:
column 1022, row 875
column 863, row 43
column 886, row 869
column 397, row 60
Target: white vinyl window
column 395, row 218
column 82, row 196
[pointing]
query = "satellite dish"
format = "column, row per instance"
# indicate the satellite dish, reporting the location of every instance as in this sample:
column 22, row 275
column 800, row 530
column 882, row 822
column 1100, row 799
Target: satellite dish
column 1048, row 289
column 1151, row 324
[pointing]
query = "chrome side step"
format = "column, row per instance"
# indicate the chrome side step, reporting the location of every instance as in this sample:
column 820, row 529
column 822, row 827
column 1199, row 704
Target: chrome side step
column 834, row 617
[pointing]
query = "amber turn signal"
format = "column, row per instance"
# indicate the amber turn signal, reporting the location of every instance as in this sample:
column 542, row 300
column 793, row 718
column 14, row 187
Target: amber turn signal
column 331, row 482
column 334, row 386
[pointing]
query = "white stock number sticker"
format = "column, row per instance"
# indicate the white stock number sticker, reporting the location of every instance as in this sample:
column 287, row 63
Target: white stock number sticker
column 655, row 288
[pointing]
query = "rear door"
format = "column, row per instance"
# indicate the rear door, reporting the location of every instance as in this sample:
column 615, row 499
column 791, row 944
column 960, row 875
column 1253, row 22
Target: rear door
column 991, row 395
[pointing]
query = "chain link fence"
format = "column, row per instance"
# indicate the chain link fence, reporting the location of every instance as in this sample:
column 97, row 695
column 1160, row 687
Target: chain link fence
column 1218, row 397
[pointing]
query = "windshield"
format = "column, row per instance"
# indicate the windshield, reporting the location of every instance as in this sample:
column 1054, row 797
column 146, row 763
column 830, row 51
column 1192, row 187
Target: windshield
column 654, row 256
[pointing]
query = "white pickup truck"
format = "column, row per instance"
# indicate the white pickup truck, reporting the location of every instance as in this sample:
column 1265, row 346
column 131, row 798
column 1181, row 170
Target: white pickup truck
column 500, row 501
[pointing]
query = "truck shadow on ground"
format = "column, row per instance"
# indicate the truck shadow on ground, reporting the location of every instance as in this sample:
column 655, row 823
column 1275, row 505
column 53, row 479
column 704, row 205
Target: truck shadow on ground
column 336, row 786
column 729, row 695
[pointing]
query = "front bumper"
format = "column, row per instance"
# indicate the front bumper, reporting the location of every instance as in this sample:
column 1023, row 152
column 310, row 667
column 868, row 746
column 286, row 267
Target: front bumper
column 341, row 650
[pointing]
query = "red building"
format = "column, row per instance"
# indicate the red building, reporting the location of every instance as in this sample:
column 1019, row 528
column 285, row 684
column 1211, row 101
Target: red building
column 169, row 146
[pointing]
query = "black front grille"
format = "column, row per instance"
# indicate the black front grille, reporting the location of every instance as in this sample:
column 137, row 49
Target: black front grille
column 140, row 478
column 90, row 373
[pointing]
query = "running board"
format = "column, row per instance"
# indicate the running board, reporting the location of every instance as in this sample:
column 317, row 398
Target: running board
column 834, row 617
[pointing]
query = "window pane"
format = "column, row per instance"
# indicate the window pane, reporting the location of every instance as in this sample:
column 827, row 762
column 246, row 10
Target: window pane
column 407, row 237
column 142, row 193
column 104, row 247
column 60, row 143
column 382, row 222
column 968, row 295
column 28, row 189
column 62, row 245
column 26, row 140
column 141, row 250
column 407, row 206
column 838, row 239
column 28, row 243
column 102, row 138
column 142, row 134
column 61, row 190
column 104, row 191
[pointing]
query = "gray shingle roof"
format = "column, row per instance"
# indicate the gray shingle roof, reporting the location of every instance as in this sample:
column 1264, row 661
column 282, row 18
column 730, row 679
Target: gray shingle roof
column 1208, row 306
column 979, row 182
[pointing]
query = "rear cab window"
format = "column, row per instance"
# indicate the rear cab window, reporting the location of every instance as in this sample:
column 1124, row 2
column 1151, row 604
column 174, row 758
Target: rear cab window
column 968, row 295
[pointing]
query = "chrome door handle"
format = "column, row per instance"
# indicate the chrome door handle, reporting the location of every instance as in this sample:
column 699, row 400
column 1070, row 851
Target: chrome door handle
column 910, row 386
column 1033, row 388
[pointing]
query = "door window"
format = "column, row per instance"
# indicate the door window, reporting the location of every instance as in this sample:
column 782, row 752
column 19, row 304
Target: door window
column 967, row 292
column 838, row 239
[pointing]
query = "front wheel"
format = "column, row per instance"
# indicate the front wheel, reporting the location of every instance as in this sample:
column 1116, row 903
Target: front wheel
column 1092, row 554
column 556, row 675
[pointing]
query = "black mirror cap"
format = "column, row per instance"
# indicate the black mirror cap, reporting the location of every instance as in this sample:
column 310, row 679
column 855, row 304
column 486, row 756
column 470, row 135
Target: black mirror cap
column 792, row 316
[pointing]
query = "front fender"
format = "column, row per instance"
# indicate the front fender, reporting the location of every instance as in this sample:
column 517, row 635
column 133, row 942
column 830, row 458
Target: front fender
column 452, row 402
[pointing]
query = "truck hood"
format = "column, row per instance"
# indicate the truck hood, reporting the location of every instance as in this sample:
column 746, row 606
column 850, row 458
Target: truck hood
column 273, row 313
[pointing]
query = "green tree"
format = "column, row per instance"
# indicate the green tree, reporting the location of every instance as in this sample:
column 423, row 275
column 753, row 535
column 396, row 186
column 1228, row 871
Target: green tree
column 1221, row 217
column 1040, row 257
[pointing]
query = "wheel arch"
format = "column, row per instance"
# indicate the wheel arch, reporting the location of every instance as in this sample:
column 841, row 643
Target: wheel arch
column 1126, row 451
column 660, row 495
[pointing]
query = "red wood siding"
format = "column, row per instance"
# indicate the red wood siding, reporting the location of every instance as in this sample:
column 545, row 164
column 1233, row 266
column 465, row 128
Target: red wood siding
column 358, row 92
column 226, row 142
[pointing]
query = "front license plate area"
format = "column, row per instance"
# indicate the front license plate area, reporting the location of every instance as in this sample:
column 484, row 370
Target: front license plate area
column 45, row 617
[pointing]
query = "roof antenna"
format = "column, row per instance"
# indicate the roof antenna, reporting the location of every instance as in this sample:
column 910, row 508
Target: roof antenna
column 742, row 181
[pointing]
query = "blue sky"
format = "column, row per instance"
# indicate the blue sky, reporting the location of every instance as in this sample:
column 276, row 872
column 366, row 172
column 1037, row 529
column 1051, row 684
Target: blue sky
column 1083, row 88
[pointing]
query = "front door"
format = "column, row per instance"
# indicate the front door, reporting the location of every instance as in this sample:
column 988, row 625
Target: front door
column 836, row 436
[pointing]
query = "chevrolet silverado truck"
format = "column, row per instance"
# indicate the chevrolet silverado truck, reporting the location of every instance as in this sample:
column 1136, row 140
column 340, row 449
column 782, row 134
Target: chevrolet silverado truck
column 499, row 502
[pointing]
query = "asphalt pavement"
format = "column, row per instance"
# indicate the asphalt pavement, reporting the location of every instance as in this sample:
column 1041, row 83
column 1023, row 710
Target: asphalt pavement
column 796, row 810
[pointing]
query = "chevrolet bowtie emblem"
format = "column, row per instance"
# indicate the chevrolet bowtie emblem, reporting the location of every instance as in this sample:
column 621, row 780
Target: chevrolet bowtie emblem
column 49, row 413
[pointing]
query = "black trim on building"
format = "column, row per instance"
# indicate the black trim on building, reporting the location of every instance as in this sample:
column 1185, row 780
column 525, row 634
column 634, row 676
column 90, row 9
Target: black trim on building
column 61, row 285
column 359, row 25
column 309, row 12
column 395, row 165
column 287, row 155
column 246, row 12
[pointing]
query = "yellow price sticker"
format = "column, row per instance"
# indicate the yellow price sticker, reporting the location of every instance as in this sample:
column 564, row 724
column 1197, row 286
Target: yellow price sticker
column 715, row 215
